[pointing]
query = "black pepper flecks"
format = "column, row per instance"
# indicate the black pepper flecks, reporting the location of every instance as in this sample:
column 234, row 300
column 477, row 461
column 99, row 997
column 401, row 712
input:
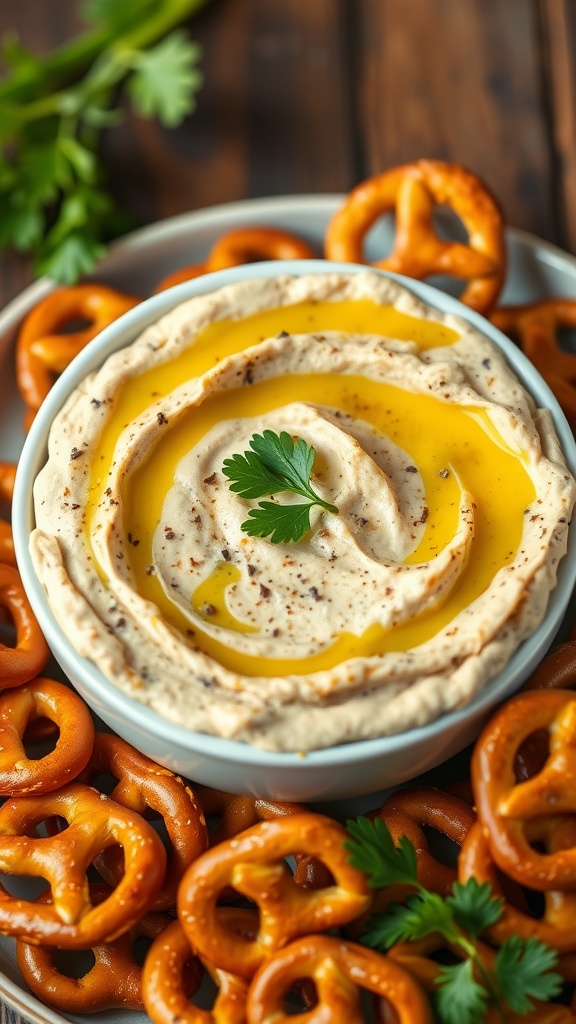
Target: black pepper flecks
column 264, row 591
column 75, row 454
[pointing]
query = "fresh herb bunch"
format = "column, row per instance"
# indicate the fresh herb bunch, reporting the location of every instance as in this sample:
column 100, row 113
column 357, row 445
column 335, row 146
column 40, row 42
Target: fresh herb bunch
column 277, row 463
column 522, row 969
column 53, row 109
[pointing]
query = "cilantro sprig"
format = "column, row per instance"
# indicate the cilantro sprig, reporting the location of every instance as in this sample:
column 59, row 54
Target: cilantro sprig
column 276, row 464
column 522, row 970
column 53, row 199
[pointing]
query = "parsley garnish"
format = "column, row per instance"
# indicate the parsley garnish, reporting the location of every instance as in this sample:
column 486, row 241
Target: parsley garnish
column 277, row 463
column 53, row 108
column 523, row 968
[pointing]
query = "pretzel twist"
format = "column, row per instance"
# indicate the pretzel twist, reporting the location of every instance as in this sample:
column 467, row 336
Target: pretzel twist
column 153, row 791
column 44, row 350
column 114, row 980
column 339, row 971
column 253, row 864
column 409, row 811
column 163, row 987
column 7, row 476
column 536, row 327
column 94, row 823
column 506, row 808
column 237, row 813
column 243, row 245
column 19, row 664
column 43, row 699
column 557, row 926
column 412, row 190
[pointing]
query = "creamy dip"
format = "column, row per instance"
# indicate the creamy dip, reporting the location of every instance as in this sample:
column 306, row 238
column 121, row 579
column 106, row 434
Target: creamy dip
column 454, row 503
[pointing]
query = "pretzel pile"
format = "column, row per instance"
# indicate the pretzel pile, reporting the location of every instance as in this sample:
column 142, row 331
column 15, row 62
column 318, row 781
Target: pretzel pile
column 113, row 880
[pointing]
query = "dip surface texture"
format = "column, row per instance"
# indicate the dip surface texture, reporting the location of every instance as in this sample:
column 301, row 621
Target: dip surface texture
column 453, row 495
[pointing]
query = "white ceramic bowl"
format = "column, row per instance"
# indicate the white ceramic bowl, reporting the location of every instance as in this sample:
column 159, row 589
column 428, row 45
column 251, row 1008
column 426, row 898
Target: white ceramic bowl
column 333, row 773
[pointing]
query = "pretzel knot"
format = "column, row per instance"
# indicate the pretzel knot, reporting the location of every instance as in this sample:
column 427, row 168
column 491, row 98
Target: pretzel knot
column 44, row 349
column 409, row 811
column 236, row 813
column 151, row 790
column 7, row 475
column 536, row 327
column 253, row 864
column 27, row 658
column 413, row 190
column 94, row 823
column 163, row 982
column 339, row 971
column 557, row 925
column 114, row 980
column 506, row 809
column 46, row 699
column 243, row 245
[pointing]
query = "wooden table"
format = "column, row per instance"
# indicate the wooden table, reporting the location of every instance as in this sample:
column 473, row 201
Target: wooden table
column 316, row 95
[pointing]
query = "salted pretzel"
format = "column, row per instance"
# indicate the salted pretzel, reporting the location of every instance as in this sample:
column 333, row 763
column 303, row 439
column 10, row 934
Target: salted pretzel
column 154, row 791
column 7, row 476
column 236, row 813
column 536, row 328
column 27, row 658
column 413, row 190
column 505, row 808
column 244, row 245
column 43, row 698
column 409, row 811
column 556, row 672
column 251, row 244
column 163, row 981
column 253, row 864
column 113, row 982
column 182, row 274
column 339, row 971
column 557, row 925
column 44, row 348
column 94, row 823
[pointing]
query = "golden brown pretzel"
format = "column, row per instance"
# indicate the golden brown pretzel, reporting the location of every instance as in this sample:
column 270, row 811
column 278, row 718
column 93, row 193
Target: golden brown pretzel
column 43, row 348
column 94, row 823
column 557, row 926
column 253, row 863
column 251, row 244
column 27, row 658
column 412, row 190
column 154, row 791
column 339, row 970
column 408, row 811
column 7, row 476
column 506, row 808
column 48, row 699
column 243, row 245
column 236, row 813
column 114, row 980
column 536, row 328
column 163, row 988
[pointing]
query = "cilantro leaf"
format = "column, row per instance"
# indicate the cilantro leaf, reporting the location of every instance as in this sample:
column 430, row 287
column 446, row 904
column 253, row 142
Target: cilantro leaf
column 276, row 463
column 75, row 255
column 474, row 907
column 423, row 913
column 250, row 477
column 460, row 999
column 283, row 524
column 373, row 851
column 165, row 79
column 523, row 972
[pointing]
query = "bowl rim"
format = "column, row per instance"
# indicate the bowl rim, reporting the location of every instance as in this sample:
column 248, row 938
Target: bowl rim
column 119, row 334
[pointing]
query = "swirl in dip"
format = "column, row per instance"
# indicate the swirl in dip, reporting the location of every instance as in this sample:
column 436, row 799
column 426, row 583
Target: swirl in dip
column 454, row 502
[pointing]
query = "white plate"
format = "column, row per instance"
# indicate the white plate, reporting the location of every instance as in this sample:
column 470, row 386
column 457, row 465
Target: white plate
column 136, row 264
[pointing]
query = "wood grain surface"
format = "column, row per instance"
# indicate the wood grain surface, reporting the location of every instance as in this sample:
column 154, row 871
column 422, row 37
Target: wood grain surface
column 303, row 96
